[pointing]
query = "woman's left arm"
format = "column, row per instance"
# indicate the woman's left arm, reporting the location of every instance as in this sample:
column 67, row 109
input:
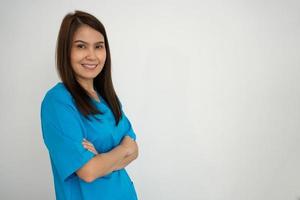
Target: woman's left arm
column 124, row 162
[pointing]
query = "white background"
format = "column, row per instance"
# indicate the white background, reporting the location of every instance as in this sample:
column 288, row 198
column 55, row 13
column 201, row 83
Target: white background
column 212, row 89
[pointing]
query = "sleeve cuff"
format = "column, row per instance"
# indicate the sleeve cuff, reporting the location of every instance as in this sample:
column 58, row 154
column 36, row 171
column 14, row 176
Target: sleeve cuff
column 78, row 163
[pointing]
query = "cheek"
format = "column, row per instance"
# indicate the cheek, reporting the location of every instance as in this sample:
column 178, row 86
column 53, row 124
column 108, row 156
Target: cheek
column 103, row 56
column 75, row 61
column 75, row 56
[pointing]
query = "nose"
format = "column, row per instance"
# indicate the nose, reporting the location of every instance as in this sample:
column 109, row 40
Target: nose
column 91, row 54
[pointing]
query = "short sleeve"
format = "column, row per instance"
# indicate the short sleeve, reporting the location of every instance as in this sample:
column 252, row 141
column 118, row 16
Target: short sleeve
column 130, row 132
column 63, row 134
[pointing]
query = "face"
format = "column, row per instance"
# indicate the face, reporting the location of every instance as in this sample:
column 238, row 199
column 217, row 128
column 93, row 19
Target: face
column 88, row 53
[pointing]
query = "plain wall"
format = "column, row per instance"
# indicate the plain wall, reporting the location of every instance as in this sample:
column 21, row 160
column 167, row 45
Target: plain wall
column 212, row 89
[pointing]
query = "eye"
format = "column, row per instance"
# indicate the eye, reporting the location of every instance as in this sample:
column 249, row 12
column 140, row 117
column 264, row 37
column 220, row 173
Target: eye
column 99, row 46
column 80, row 46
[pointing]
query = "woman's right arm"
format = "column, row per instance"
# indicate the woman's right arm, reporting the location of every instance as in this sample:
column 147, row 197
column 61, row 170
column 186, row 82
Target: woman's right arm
column 105, row 163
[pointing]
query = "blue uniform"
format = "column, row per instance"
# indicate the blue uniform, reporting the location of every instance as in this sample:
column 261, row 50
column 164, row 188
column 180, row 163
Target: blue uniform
column 64, row 128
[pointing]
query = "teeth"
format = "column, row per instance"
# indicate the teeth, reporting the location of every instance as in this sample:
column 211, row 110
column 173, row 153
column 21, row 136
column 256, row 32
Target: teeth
column 89, row 66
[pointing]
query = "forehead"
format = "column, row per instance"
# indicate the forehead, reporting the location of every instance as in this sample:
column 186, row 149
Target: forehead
column 87, row 34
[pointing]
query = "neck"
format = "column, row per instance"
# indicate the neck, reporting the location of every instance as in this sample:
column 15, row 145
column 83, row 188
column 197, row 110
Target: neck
column 87, row 85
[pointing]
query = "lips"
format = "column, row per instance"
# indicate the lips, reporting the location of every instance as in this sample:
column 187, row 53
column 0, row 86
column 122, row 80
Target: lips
column 89, row 66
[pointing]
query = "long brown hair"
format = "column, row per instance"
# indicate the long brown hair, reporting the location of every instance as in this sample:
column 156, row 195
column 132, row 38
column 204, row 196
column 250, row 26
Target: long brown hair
column 102, row 82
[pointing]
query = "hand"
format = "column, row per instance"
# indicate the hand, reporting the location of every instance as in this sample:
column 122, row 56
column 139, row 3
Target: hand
column 89, row 146
column 129, row 144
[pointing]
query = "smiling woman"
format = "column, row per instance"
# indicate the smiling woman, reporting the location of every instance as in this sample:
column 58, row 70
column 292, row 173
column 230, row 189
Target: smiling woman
column 89, row 138
column 88, row 55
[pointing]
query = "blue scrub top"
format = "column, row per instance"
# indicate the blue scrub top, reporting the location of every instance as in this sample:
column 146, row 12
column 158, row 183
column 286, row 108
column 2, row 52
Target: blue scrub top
column 64, row 128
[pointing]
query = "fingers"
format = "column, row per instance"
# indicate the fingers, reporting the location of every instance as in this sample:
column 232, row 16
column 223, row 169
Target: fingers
column 87, row 143
column 91, row 149
column 89, row 146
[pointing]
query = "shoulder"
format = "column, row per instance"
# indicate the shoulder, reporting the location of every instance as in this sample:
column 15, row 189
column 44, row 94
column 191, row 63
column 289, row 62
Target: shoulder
column 57, row 94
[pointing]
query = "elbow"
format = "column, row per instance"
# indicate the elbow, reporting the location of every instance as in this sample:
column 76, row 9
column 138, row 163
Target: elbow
column 91, row 178
column 85, row 175
column 90, row 172
column 137, row 150
column 88, row 179
column 136, row 154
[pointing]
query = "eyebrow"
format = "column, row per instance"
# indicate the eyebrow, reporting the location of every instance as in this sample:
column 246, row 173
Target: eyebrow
column 100, row 42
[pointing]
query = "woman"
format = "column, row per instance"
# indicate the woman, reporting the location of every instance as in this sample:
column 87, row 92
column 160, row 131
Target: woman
column 88, row 136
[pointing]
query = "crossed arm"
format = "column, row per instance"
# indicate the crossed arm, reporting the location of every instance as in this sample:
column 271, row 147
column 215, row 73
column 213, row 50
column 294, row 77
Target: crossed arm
column 105, row 163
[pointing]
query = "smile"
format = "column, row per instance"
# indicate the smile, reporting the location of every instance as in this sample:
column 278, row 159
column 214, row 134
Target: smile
column 89, row 66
